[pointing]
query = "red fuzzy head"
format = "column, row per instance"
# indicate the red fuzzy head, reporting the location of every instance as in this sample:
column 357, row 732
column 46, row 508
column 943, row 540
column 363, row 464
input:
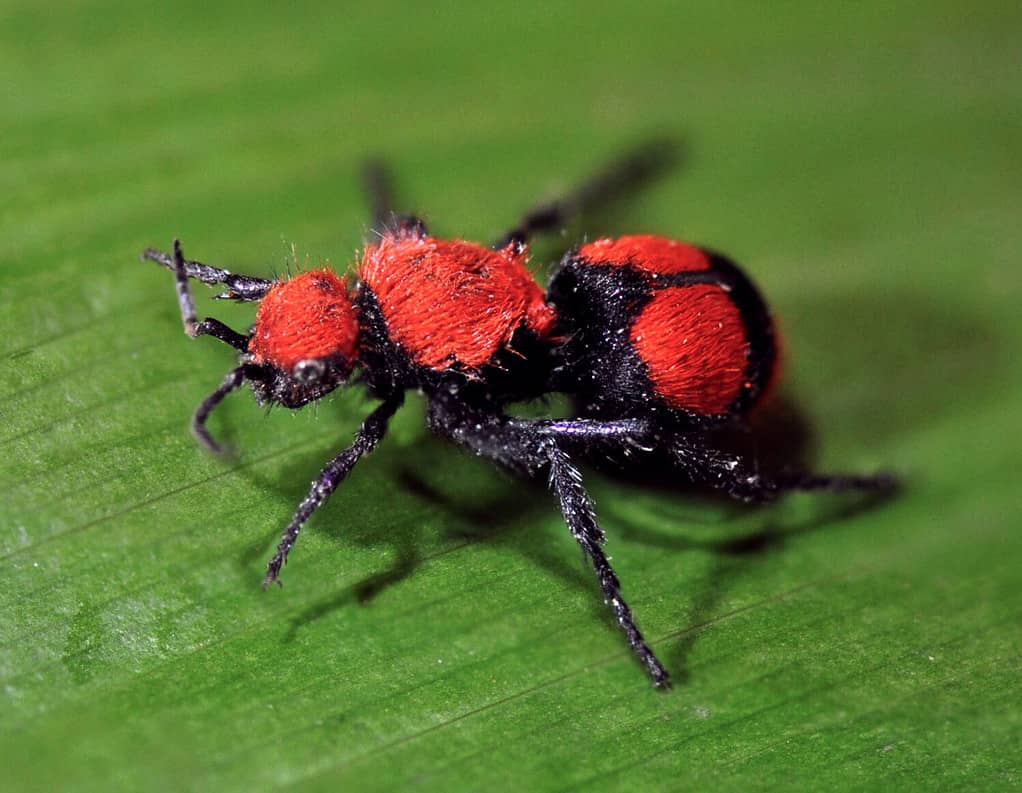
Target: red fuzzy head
column 646, row 253
column 453, row 303
column 693, row 343
column 310, row 316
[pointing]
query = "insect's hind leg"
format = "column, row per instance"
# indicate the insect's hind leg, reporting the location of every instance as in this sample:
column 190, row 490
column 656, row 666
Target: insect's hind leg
column 880, row 484
column 626, row 174
column 722, row 470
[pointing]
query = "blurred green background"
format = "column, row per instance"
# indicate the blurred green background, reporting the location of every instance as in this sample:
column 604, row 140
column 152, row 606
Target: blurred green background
column 862, row 160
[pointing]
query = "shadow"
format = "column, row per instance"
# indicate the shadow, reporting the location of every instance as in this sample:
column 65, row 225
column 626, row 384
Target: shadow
column 733, row 555
column 361, row 593
column 898, row 361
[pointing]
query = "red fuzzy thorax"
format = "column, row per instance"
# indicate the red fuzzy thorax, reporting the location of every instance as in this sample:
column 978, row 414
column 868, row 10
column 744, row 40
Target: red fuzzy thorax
column 453, row 303
column 693, row 343
column 308, row 316
column 645, row 252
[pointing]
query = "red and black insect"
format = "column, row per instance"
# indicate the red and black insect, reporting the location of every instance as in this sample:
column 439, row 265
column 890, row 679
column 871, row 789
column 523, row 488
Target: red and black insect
column 658, row 343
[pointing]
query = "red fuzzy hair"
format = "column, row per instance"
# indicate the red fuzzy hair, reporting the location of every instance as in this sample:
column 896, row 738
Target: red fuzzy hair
column 309, row 316
column 693, row 343
column 645, row 252
column 450, row 302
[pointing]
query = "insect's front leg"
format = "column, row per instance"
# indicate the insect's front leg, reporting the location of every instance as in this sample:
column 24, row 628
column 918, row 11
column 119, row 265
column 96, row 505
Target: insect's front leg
column 245, row 288
column 183, row 270
column 366, row 439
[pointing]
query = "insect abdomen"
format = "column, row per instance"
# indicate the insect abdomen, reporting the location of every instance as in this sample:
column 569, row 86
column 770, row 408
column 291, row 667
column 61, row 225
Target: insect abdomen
column 652, row 321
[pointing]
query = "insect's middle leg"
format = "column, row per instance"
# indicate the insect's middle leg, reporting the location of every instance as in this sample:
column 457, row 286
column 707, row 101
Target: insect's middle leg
column 516, row 444
column 379, row 192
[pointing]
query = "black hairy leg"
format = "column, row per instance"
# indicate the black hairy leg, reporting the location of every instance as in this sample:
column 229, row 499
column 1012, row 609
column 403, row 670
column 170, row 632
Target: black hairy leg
column 518, row 445
column 366, row 439
column 232, row 382
column 183, row 270
column 378, row 188
column 244, row 288
column 617, row 179
column 702, row 462
column 580, row 515
column 379, row 192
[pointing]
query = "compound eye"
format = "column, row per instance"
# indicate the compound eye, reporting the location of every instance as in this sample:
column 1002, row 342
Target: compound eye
column 309, row 371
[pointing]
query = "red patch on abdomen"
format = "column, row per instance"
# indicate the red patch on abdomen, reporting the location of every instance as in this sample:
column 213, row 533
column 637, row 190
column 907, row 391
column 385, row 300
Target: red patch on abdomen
column 309, row 316
column 693, row 343
column 450, row 302
column 655, row 255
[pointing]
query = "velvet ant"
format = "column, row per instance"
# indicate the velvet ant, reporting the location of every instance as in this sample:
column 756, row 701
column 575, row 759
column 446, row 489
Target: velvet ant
column 657, row 343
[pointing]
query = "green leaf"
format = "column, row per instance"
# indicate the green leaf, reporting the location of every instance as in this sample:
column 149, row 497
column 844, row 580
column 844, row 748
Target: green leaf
column 437, row 627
